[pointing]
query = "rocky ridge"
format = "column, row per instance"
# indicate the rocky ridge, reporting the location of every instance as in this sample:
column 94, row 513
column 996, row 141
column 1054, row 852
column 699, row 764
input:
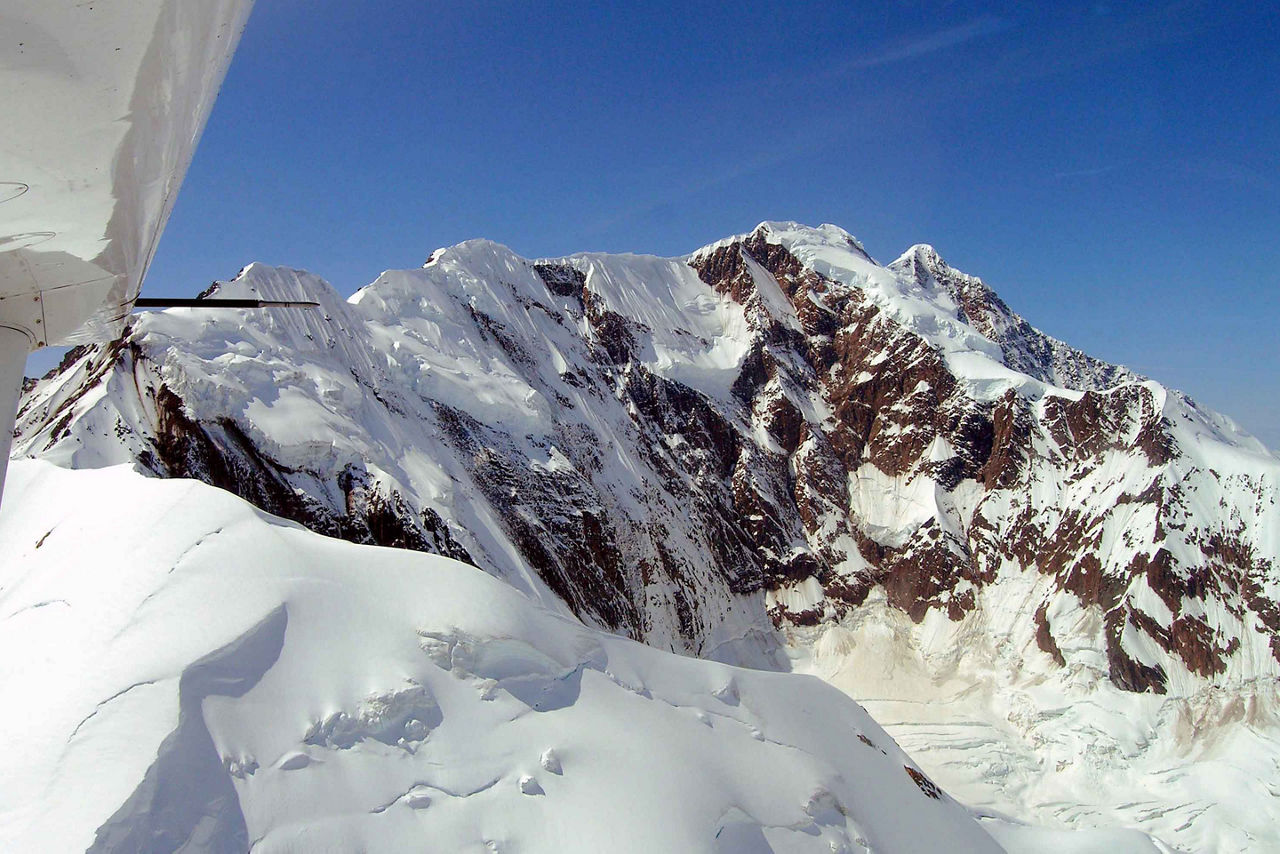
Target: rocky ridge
column 674, row 448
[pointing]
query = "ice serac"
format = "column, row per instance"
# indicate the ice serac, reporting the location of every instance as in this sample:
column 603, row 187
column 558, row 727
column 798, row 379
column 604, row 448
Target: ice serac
column 775, row 442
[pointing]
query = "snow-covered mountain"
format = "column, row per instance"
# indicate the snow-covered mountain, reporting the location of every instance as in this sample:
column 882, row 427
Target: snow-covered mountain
column 774, row 452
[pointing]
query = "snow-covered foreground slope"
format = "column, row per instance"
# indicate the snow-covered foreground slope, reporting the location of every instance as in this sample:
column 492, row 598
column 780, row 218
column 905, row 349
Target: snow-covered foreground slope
column 772, row 445
column 180, row 667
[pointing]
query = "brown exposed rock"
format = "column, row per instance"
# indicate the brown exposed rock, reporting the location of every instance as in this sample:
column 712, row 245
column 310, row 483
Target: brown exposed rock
column 821, row 482
column 785, row 423
column 1010, row 442
column 1124, row 671
column 926, row 785
column 562, row 279
column 725, row 270
column 611, row 333
column 1100, row 420
column 925, row 573
column 752, row 376
column 494, row 330
column 1044, row 636
column 101, row 360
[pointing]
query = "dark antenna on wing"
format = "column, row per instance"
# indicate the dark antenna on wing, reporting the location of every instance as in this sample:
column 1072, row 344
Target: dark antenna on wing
column 146, row 302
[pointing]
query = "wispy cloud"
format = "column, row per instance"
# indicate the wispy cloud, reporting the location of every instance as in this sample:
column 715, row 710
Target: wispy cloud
column 921, row 46
column 1090, row 173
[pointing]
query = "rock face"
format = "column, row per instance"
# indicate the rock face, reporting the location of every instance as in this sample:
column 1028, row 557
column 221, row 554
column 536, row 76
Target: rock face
column 697, row 451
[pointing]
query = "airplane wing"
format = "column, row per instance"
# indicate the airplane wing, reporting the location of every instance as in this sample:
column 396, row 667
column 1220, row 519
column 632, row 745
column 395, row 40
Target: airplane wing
column 101, row 106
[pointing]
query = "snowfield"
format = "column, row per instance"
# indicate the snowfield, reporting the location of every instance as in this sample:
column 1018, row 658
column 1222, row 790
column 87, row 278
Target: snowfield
column 182, row 669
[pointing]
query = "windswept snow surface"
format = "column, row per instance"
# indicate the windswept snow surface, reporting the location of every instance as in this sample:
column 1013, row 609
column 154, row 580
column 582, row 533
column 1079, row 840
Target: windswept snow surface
column 181, row 669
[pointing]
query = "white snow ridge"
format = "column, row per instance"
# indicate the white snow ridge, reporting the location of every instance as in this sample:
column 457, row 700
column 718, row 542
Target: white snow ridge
column 196, row 675
column 1056, row 584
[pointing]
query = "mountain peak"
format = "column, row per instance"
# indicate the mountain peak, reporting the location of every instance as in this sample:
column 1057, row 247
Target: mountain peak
column 922, row 260
column 790, row 233
column 923, row 253
column 472, row 248
column 266, row 281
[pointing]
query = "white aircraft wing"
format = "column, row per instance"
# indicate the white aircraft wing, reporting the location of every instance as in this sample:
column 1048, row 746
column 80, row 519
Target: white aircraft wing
column 101, row 105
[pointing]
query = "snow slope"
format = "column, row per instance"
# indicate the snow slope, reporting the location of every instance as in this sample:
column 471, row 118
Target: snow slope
column 194, row 672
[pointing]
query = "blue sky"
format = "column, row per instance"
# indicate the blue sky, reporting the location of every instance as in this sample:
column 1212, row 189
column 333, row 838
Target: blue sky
column 1111, row 169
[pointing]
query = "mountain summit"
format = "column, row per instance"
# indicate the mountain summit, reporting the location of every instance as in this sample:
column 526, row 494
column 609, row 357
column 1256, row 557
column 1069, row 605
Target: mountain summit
column 774, row 452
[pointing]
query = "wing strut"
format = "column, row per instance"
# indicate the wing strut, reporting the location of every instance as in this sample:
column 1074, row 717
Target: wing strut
column 14, row 345
column 147, row 302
